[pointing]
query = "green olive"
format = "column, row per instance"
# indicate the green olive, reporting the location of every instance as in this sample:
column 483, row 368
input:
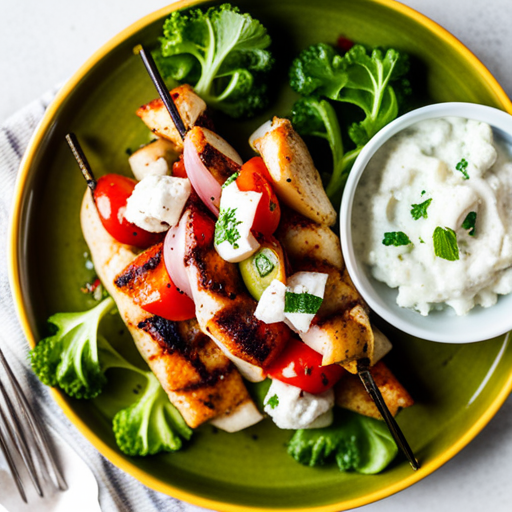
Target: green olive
column 261, row 269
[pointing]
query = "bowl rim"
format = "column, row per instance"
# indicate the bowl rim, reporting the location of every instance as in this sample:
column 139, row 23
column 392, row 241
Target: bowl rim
column 15, row 278
column 393, row 314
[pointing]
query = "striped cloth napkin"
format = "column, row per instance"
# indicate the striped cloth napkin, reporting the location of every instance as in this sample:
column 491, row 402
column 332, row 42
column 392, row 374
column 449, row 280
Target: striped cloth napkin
column 117, row 490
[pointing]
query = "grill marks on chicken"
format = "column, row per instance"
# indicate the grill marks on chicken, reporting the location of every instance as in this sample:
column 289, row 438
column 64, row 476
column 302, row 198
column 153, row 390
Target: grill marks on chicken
column 224, row 308
column 199, row 380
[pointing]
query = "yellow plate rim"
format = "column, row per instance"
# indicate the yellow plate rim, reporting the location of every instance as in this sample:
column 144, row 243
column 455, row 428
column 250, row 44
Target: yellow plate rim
column 15, row 278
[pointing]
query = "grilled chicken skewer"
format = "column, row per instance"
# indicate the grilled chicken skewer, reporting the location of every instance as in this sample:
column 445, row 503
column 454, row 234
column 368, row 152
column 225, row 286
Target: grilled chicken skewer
column 299, row 185
column 199, row 380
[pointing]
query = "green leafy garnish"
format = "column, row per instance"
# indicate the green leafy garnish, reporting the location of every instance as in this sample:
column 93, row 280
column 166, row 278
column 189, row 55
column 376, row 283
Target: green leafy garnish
column 222, row 53
column 355, row 442
column 230, row 180
column 469, row 223
column 273, row 401
column 302, row 303
column 226, row 227
column 445, row 244
column 396, row 238
column 421, row 240
column 263, row 265
column 462, row 167
column 420, row 210
column 423, row 192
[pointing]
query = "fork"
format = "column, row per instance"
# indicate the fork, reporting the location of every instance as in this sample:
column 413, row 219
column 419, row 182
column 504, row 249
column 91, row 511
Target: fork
column 21, row 437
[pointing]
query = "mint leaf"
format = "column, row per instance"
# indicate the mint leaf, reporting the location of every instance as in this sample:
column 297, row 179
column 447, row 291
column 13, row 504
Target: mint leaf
column 420, row 210
column 273, row 401
column 462, row 167
column 445, row 244
column 469, row 223
column 225, row 227
column 396, row 238
column 302, row 303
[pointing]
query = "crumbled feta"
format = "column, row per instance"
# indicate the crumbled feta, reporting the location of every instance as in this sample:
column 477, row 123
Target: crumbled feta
column 295, row 408
column 156, row 202
column 270, row 307
column 305, row 282
column 154, row 159
column 233, row 238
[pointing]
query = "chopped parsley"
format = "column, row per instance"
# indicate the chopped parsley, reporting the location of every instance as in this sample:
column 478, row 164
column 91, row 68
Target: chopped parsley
column 226, row 227
column 263, row 265
column 273, row 401
column 420, row 210
column 423, row 192
column 445, row 244
column 421, row 240
column 230, row 180
column 462, row 167
column 302, row 303
column 469, row 223
column 396, row 238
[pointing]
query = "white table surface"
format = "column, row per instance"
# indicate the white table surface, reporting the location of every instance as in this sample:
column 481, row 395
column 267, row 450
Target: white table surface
column 44, row 42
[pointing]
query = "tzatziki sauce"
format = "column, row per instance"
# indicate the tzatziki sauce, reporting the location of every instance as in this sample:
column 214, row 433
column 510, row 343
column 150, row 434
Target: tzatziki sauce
column 433, row 216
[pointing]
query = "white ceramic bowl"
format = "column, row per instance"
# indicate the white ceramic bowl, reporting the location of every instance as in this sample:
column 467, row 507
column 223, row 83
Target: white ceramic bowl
column 443, row 326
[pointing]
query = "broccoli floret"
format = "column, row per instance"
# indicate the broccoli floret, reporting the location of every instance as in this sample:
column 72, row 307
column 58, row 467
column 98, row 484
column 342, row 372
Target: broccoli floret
column 222, row 52
column 313, row 116
column 356, row 77
column 151, row 425
column 356, row 442
column 69, row 359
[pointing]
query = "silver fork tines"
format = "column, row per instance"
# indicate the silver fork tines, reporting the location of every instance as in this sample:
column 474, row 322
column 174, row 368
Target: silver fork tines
column 21, row 437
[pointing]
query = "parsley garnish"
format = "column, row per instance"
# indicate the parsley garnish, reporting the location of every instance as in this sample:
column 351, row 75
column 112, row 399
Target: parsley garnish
column 396, row 238
column 263, row 265
column 225, row 227
column 230, row 180
column 421, row 240
column 445, row 244
column 273, row 401
column 469, row 223
column 420, row 210
column 302, row 303
column 462, row 167
column 423, row 192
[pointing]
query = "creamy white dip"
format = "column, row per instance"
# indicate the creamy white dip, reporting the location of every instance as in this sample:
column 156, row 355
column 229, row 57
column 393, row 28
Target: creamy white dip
column 456, row 164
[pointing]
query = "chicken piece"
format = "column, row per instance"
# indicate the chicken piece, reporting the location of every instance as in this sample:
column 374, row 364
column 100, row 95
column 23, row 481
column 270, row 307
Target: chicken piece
column 224, row 308
column 295, row 179
column 199, row 380
column 153, row 159
column 350, row 393
column 190, row 106
column 341, row 330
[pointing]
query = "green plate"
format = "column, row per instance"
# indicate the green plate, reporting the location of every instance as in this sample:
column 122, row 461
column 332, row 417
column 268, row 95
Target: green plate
column 457, row 388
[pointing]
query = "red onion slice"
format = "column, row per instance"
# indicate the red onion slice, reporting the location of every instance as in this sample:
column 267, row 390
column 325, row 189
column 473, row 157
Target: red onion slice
column 202, row 180
column 174, row 256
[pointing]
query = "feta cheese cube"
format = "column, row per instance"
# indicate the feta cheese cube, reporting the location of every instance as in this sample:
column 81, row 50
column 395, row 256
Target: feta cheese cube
column 294, row 408
column 156, row 202
column 270, row 307
column 233, row 238
column 312, row 283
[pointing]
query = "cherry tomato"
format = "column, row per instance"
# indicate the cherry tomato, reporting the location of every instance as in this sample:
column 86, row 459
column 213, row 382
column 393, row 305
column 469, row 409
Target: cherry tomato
column 255, row 177
column 111, row 193
column 301, row 366
column 153, row 290
column 178, row 168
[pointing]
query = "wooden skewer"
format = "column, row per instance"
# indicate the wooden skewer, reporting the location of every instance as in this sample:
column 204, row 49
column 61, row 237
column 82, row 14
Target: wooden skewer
column 159, row 83
column 363, row 370
column 81, row 160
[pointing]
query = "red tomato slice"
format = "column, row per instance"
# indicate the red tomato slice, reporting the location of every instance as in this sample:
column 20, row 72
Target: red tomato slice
column 153, row 290
column 254, row 176
column 178, row 168
column 110, row 195
column 301, row 366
